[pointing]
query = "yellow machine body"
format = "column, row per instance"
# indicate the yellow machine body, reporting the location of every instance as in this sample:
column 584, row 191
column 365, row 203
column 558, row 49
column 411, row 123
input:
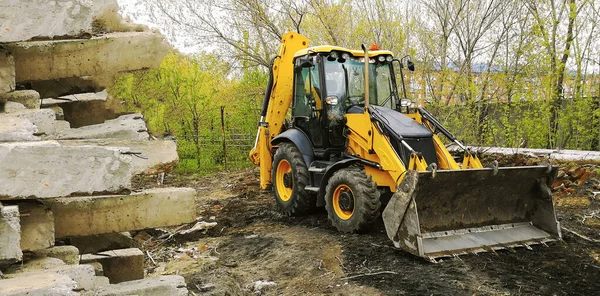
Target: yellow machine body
column 438, row 210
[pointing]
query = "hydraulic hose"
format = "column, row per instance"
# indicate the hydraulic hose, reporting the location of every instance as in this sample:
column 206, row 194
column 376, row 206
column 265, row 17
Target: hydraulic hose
column 265, row 105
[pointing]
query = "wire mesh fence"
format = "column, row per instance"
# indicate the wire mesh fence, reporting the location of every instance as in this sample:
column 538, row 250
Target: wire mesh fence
column 216, row 149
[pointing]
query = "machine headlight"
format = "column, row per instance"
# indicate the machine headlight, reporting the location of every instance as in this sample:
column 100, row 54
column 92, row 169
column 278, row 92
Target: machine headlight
column 406, row 103
column 381, row 58
column 389, row 58
column 331, row 100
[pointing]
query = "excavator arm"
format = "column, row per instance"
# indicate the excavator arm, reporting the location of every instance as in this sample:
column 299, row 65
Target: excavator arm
column 278, row 98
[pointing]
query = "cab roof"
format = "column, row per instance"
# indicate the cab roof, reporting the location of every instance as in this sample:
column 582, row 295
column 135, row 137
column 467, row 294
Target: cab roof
column 329, row 48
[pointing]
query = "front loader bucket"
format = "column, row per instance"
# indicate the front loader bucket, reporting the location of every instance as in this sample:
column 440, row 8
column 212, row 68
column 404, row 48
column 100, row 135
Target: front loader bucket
column 453, row 212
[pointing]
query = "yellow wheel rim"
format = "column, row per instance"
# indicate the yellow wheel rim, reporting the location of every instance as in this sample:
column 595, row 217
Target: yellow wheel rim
column 283, row 168
column 341, row 213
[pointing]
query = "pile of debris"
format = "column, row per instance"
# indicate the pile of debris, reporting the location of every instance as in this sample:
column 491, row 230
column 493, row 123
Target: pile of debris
column 67, row 156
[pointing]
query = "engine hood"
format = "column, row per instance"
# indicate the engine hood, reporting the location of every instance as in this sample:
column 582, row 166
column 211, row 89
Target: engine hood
column 401, row 124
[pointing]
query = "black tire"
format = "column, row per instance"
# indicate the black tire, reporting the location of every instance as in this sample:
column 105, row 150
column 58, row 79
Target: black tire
column 355, row 185
column 295, row 201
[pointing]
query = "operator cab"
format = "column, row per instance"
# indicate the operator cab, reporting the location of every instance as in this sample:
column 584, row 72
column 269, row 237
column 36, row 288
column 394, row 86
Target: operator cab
column 329, row 83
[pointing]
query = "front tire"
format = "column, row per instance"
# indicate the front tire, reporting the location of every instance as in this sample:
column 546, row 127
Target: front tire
column 352, row 200
column 290, row 177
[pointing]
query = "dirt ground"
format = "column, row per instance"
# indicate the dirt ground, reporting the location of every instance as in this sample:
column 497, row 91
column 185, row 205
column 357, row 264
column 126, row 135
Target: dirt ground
column 254, row 250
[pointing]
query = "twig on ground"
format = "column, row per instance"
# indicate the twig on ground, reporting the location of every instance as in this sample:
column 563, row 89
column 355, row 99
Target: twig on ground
column 581, row 235
column 150, row 256
column 340, row 260
column 380, row 246
column 368, row 274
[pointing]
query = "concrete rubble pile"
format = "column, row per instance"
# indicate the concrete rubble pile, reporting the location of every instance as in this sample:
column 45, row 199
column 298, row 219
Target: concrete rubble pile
column 67, row 157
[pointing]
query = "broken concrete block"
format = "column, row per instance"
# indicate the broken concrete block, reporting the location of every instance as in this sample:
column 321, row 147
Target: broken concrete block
column 62, row 125
column 68, row 254
column 11, row 107
column 82, row 275
column 101, row 281
column 164, row 285
column 29, row 98
column 60, row 113
column 81, row 109
column 37, row 226
column 10, row 235
column 43, row 119
column 109, row 53
column 89, row 215
column 39, row 284
column 46, row 169
column 119, row 265
column 126, row 127
column 155, row 156
column 14, row 129
column 98, row 269
column 7, row 72
column 75, row 98
column 35, row 264
column 27, row 19
column 103, row 242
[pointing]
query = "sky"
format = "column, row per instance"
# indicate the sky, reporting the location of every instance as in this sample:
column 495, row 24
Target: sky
column 138, row 11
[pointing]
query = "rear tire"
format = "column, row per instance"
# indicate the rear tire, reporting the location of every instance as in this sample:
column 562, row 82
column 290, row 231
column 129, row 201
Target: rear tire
column 352, row 200
column 290, row 177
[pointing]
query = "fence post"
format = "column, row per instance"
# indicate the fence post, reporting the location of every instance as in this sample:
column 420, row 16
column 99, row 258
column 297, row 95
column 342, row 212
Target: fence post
column 223, row 134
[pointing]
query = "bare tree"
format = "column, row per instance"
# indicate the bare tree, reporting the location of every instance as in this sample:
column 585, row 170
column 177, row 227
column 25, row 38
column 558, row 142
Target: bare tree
column 445, row 14
column 247, row 30
column 551, row 16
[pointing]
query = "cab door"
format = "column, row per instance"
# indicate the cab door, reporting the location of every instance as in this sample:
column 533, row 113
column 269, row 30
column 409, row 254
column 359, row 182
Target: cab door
column 307, row 108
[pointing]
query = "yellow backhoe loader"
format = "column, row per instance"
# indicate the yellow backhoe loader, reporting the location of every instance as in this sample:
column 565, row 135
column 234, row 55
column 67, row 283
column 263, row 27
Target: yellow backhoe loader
column 354, row 145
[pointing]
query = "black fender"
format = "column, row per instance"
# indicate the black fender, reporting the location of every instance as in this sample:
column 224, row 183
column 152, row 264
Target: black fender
column 301, row 141
column 328, row 173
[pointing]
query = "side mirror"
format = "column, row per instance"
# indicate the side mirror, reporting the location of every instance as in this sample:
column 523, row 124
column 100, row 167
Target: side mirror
column 410, row 65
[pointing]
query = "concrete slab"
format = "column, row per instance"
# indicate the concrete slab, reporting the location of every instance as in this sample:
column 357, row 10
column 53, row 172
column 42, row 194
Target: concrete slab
column 89, row 215
column 37, row 226
column 110, row 53
column 155, row 156
column 60, row 113
column 82, row 275
column 68, row 254
column 35, row 264
column 75, row 98
column 45, row 169
column 62, row 125
column 103, row 242
column 39, row 284
column 43, row 119
column 119, row 265
column 164, row 285
column 14, row 129
column 101, row 281
column 80, row 109
column 10, row 107
column 26, row 19
column 54, row 88
column 126, row 127
column 7, row 72
column 29, row 98
column 10, row 235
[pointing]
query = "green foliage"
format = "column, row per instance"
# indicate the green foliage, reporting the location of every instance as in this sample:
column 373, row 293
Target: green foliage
column 183, row 98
